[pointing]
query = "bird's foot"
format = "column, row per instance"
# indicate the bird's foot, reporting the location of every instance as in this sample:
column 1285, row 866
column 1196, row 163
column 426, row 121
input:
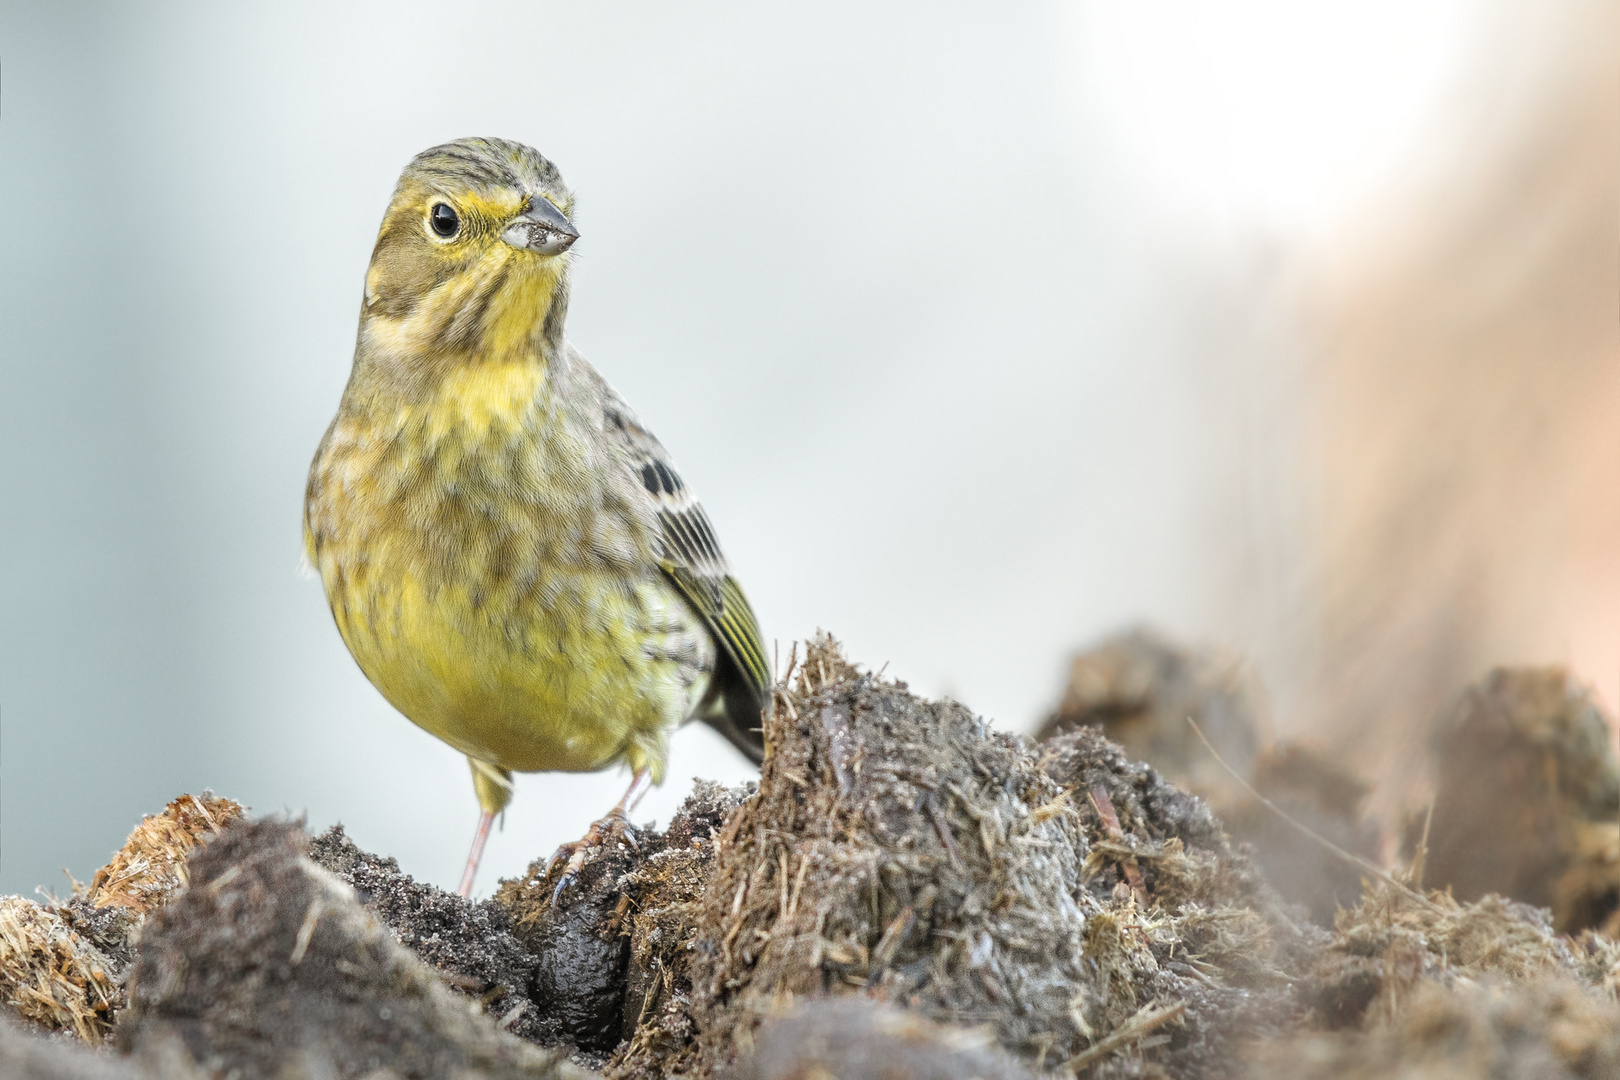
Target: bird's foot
column 601, row 831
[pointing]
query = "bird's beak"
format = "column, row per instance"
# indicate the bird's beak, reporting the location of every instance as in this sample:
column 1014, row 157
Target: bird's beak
column 541, row 227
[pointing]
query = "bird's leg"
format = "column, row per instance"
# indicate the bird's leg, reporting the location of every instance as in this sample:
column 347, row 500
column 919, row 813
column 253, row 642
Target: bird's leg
column 485, row 820
column 615, row 820
column 493, row 785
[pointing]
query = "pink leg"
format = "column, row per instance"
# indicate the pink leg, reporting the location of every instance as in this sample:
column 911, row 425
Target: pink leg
column 639, row 783
column 485, row 820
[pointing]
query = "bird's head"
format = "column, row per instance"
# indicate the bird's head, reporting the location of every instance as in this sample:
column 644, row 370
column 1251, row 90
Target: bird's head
column 471, row 261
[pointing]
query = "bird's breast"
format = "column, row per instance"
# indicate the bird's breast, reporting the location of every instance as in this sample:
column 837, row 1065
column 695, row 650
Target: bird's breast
column 490, row 580
column 491, row 476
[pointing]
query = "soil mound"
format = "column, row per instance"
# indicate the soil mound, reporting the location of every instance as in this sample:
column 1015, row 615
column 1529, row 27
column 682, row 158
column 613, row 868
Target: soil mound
column 905, row 893
column 1070, row 902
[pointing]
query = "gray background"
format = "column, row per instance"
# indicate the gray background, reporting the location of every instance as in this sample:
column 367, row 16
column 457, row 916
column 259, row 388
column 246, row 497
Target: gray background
column 958, row 317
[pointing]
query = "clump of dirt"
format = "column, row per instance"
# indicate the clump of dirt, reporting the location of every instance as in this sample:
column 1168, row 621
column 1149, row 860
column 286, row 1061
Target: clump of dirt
column 856, row 1040
column 1396, row 941
column 659, row 916
column 1234, row 945
column 470, row 944
column 26, row 1056
column 1588, row 892
column 1527, row 797
column 1422, row 985
column 1140, row 689
column 62, row 964
column 902, row 850
column 267, row 966
column 1545, row 1029
column 610, row 954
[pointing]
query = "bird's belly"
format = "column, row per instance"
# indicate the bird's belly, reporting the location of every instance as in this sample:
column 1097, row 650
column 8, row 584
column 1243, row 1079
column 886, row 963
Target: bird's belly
column 593, row 671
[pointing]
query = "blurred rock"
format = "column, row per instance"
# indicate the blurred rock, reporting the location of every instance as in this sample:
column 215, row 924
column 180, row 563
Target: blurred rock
column 1140, row 689
column 1527, row 797
column 26, row 1054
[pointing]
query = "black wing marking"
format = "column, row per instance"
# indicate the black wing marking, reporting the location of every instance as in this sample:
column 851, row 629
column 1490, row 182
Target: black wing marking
column 691, row 557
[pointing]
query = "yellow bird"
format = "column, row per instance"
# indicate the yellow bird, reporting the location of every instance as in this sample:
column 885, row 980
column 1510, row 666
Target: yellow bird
column 510, row 555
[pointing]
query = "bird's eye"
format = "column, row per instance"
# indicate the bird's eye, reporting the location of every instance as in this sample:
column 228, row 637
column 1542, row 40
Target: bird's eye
column 443, row 219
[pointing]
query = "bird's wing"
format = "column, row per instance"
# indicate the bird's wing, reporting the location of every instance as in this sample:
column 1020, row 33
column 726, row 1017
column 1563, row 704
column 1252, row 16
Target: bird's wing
column 689, row 553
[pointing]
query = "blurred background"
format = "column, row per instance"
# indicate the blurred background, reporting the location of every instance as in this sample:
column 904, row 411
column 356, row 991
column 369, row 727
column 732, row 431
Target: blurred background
column 982, row 330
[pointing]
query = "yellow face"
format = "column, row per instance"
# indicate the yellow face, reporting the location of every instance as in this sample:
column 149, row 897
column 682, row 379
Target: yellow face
column 472, row 257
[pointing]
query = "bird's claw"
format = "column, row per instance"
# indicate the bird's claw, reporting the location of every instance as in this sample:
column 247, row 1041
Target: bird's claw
column 612, row 822
column 556, row 894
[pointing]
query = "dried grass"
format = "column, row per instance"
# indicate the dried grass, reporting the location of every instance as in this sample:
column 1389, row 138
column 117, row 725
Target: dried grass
column 1441, row 988
column 62, row 964
column 50, row 975
column 150, row 868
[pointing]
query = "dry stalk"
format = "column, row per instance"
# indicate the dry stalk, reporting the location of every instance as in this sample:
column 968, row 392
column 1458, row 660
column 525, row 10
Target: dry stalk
column 1140, row 1025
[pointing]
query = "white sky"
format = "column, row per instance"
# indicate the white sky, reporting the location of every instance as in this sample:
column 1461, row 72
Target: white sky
column 925, row 299
column 1271, row 113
